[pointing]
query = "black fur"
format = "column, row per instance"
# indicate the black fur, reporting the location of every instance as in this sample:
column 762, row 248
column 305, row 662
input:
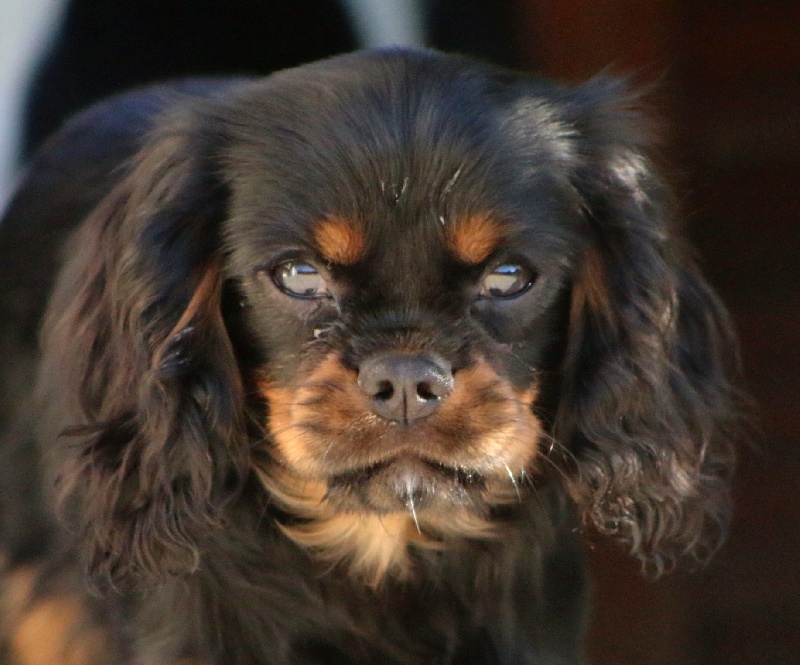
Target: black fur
column 135, row 460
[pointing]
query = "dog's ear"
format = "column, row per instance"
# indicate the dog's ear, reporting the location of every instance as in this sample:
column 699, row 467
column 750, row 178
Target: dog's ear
column 647, row 405
column 136, row 339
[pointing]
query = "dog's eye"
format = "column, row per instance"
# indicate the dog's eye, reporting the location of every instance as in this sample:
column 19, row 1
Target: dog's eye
column 506, row 281
column 300, row 280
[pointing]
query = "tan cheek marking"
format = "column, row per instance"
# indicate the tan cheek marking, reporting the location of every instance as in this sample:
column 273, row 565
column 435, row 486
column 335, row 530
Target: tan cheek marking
column 511, row 433
column 288, row 437
column 472, row 239
column 288, row 410
column 339, row 241
column 517, row 443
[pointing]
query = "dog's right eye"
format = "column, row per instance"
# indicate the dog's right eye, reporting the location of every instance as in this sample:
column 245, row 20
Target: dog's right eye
column 300, row 280
column 507, row 280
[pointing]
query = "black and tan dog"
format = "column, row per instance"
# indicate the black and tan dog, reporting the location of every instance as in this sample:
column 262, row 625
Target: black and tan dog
column 338, row 365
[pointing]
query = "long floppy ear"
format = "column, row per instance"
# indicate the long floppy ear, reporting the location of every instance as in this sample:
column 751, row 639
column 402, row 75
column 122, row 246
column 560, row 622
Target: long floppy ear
column 136, row 343
column 648, row 409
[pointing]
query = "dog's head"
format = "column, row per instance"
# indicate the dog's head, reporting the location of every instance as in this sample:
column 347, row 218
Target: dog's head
column 401, row 289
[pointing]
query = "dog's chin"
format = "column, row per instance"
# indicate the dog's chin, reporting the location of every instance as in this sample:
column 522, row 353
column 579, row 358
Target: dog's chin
column 406, row 483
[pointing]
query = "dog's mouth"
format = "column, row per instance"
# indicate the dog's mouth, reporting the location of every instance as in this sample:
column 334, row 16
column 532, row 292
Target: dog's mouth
column 406, row 482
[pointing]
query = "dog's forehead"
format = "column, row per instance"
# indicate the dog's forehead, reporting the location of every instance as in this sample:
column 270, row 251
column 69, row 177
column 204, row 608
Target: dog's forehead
column 416, row 155
column 398, row 130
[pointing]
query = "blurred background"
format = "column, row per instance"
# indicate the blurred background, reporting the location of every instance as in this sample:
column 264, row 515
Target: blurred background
column 728, row 90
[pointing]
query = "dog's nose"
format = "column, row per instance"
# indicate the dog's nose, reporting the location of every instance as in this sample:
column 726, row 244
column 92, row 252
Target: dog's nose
column 404, row 387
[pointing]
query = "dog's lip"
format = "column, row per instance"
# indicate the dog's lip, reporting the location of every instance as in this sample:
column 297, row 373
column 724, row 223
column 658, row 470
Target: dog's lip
column 464, row 477
column 404, row 482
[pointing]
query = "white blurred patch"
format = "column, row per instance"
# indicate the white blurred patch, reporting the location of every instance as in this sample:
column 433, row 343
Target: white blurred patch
column 25, row 28
column 387, row 22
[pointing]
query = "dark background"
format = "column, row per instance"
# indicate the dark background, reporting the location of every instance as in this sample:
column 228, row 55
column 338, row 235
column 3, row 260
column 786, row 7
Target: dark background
column 728, row 90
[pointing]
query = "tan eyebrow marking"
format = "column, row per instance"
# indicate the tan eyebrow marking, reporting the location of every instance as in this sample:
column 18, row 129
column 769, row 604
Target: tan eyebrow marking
column 338, row 240
column 472, row 239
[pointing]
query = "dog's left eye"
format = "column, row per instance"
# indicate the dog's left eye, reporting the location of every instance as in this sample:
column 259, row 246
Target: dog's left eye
column 300, row 280
column 506, row 281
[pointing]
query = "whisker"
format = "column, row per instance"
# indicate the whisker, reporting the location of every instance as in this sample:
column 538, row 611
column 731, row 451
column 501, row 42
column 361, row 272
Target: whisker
column 513, row 481
column 555, row 444
column 410, row 505
column 328, row 449
column 555, row 466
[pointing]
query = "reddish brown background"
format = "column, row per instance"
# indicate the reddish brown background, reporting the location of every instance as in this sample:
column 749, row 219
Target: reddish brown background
column 729, row 90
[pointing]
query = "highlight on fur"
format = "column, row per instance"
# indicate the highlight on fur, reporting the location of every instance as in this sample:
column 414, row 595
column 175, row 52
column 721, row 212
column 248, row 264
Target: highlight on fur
column 500, row 250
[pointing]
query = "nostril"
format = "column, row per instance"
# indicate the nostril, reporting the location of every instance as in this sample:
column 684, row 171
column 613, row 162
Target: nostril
column 424, row 392
column 385, row 391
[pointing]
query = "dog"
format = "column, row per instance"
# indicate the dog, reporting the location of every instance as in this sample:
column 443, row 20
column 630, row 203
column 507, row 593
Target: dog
column 343, row 365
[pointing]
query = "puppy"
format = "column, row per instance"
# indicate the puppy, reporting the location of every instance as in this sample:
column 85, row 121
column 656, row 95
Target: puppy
column 342, row 363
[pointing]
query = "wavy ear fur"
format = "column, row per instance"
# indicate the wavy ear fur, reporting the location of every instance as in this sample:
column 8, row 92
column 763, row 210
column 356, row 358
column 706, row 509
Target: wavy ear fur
column 647, row 406
column 158, row 422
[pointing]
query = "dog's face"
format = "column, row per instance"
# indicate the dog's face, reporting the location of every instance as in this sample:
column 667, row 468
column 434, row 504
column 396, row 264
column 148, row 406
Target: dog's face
column 440, row 274
column 405, row 259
